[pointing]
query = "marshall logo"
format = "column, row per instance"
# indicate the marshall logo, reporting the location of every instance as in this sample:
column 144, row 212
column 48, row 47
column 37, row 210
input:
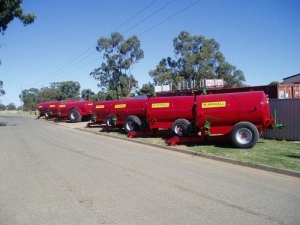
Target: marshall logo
column 213, row 104
column 120, row 106
column 161, row 105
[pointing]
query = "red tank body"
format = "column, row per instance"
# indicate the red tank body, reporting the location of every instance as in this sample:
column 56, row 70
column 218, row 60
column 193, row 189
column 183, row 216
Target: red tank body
column 163, row 111
column 48, row 109
column 75, row 110
column 123, row 112
column 123, row 108
column 100, row 110
column 223, row 111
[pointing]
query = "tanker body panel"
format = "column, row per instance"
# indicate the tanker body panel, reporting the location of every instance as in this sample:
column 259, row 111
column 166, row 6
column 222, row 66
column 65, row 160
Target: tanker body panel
column 125, row 107
column 75, row 110
column 100, row 110
column 162, row 112
column 48, row 109
column 128, row 113
column 223, row 111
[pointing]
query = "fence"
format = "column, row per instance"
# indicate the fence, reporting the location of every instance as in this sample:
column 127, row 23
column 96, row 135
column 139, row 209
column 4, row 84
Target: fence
column 288, row 113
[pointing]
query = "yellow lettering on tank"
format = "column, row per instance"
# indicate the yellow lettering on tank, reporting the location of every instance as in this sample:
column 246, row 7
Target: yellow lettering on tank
column 161, row 105
column 40, row 106
column 52, row 106
column 120, row 106
column 214, row 104
column 62, row 106
column 99, row 106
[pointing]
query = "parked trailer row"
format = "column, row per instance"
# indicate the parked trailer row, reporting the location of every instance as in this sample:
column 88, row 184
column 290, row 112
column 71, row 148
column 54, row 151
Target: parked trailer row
column 73, row 110
column 239, row 117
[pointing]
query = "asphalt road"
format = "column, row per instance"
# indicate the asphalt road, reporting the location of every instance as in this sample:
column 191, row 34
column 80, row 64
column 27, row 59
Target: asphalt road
column 53, row 174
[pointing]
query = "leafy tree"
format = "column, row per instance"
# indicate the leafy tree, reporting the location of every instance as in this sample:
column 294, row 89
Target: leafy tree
column 2, row 92
column 274, row 82
column 100, row 96
column 115, row 74
column 86, row 94
column 47, row 94
column 2, row 107
column 29, row 98
column 11, row 106
column 11, row 9
column 147, row 89
column 67, row 90
column 198, row 58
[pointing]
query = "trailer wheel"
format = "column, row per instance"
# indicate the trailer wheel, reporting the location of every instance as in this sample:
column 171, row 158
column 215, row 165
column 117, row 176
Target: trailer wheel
column 74, row 116
column 108, row 121
column 180, row 126
column 244, row 135
column 47, row 114
column 132, row 123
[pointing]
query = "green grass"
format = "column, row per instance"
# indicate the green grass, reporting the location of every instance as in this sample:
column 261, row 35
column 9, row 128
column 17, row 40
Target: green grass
column 274, row 153
column 278, row 154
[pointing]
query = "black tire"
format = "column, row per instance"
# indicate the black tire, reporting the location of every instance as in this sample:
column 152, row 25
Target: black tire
column 132, row 123
column 74, row 116
column 108, row 121
column 47, row 114
column 244, row 135
column 180, row 127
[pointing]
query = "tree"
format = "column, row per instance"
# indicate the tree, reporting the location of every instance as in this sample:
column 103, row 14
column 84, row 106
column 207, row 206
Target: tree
column 115, row 74
column 67, row 90
column 47, row 94
column 11, row 9
column 2, row 92
column 198, row 58
column 274, row 82
column 11, row 106
column 2, row 107
column 29, row 98
column 86, row 94
column 147, row 89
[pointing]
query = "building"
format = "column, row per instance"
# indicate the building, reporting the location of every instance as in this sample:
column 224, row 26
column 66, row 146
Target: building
column 295, row 79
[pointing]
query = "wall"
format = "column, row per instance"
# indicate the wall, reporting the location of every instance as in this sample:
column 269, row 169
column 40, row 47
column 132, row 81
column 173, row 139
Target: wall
column 288, row 113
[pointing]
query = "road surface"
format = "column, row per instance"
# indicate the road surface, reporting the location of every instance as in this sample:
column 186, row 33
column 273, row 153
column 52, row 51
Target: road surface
column 53, row 174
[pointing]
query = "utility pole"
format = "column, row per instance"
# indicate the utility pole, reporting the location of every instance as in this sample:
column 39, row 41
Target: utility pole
column 22, row 98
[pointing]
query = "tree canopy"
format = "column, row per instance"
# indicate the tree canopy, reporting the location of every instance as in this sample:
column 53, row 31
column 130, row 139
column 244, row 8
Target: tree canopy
column 2, row 92
column 57, row 91
column 197, row 58
column 11, row 9
column 115, row 73
column 87, row 93
column 11, row 106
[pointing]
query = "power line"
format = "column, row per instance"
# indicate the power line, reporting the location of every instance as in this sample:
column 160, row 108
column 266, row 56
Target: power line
column 169, row 17
column 67, row 66
column 149, row 16
column 135, row 15
column 63, row 68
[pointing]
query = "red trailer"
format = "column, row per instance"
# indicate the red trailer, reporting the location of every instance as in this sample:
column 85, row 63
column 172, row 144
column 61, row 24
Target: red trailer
column 75, row 111
column 240, row 117
column 127, row 113
column 100, row 111
column 174, row 113
column 48, row 109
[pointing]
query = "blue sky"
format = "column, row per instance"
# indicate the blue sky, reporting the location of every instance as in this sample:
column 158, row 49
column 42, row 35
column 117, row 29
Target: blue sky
column 259, row 37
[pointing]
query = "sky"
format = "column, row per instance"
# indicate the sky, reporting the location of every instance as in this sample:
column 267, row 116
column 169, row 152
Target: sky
column 259, row 37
